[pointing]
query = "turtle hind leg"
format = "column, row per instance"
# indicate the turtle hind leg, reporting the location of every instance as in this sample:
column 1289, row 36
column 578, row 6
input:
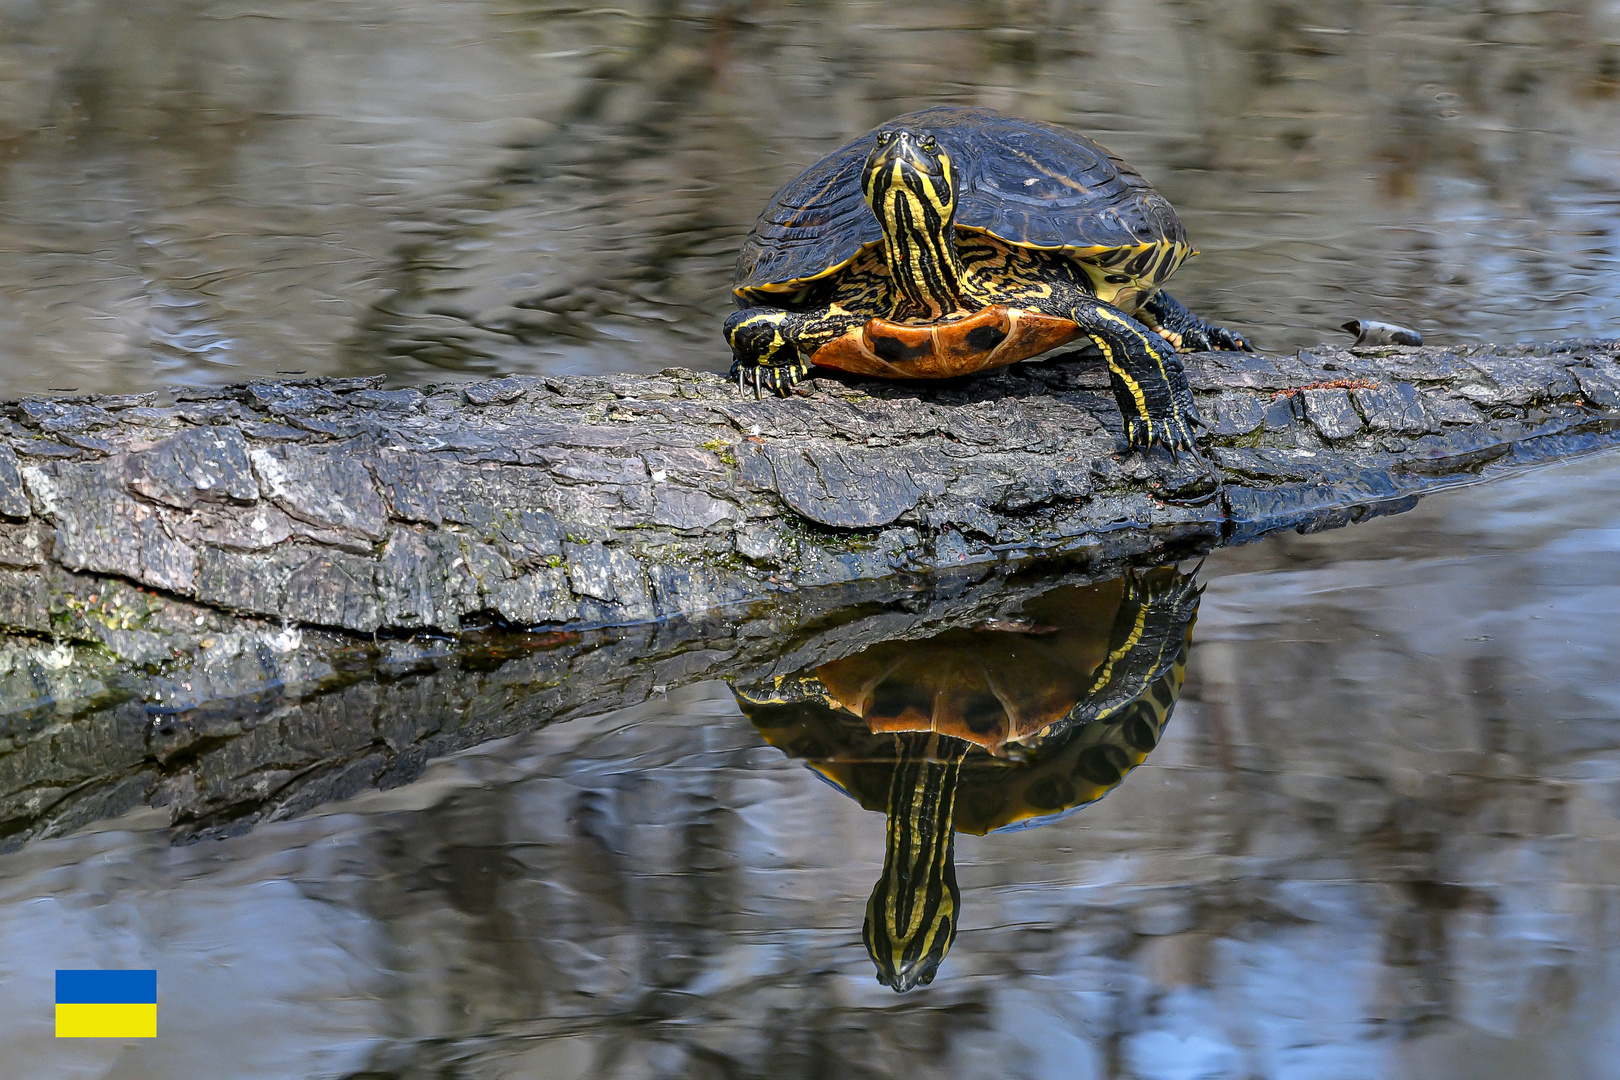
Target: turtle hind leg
column 1187, row 331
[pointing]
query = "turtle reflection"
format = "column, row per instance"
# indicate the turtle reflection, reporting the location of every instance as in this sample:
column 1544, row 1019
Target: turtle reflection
column 1006, row 724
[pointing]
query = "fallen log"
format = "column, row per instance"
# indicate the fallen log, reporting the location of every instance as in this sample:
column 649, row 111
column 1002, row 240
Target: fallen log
column 207, row 561
column 595, row 501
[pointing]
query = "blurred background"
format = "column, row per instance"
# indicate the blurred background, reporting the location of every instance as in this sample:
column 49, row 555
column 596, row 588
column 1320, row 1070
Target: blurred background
column 200, row 191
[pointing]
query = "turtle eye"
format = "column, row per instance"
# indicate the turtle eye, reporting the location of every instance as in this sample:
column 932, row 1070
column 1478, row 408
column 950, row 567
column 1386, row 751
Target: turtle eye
column 885, row 138
column 928, row 145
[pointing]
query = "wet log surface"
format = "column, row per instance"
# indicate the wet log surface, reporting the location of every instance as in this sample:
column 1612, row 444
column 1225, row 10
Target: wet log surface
column 238, row 603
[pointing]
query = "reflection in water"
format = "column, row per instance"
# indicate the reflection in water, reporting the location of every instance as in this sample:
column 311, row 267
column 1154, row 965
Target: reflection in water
column 1377, row 840
column 1004, row 725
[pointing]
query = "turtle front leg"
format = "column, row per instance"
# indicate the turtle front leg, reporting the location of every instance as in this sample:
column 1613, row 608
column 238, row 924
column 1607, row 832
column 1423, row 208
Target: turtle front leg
column 764, row 351
column 1146, row 375
column 770, row 347
column 1186, row 331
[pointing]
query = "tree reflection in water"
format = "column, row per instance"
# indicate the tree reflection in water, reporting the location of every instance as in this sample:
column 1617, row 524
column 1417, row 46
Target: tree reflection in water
column 198, row 193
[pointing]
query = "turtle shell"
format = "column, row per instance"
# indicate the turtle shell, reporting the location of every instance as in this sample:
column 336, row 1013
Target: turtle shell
column 1027, row 183
column 990, row 685
column 991, row 337
column 1059, row 703
column 1073, row 768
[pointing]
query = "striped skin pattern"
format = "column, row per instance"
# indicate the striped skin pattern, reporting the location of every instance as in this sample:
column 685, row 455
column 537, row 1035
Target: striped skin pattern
column 911, row 916
column 926, row 269
column 908, row 184
column 1150, row 636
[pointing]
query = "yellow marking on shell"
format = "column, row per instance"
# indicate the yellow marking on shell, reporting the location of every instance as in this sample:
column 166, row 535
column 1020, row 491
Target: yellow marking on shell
column 1170, row 681
column 1101, row 262
column 1088, row 257
column 1113, row 254
column 795, row 287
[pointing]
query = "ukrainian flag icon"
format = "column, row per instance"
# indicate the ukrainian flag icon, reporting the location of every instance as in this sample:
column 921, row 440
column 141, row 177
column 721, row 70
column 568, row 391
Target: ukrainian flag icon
column 106, row 1004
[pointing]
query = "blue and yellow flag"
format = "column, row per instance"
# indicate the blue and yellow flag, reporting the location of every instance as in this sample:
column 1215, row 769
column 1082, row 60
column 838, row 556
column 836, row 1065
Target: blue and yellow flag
column 106, row 1004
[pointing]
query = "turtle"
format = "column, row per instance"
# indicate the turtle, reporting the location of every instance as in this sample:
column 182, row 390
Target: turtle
column 1001, row 725
column 953, row 240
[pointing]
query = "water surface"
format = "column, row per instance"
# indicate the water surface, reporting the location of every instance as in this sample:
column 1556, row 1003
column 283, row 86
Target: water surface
column 1377, row 838
column 202, row 191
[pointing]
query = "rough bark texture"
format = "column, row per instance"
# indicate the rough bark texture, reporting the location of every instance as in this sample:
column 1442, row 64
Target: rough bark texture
column 594, row 501
column 182, row 581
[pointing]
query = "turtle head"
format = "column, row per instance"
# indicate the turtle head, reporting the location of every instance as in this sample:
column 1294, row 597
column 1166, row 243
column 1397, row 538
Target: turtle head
column 912, row 914
column 905, row 964
column 910, row 169
column 910, row 183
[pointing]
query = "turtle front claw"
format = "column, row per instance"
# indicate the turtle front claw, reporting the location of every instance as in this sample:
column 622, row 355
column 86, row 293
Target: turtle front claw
column 779, row 379
column 1175, row 434
column 1207, row 338
column 1230, row 340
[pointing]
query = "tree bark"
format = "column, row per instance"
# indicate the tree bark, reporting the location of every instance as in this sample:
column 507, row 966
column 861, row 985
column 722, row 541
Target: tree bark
column 195, row 563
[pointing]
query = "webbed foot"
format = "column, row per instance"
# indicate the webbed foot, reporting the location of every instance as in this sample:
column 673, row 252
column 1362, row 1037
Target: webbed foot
column 1163, row 586
column 1186, row 331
